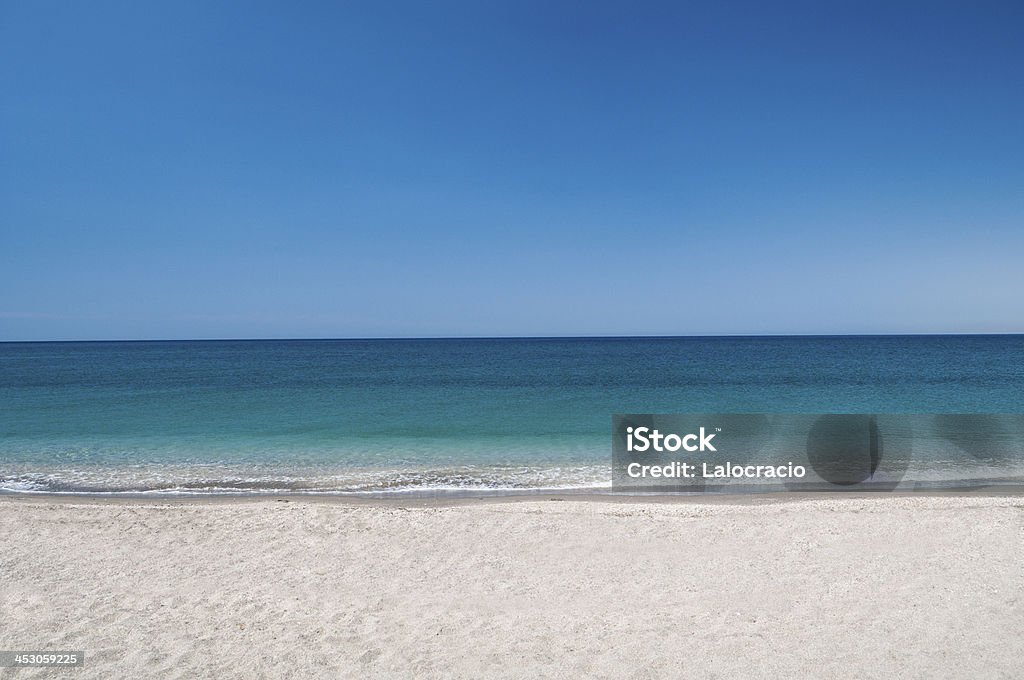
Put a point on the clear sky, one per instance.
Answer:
(346, 169)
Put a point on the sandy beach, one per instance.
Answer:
(825, 587)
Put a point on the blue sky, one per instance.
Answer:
(206, 169)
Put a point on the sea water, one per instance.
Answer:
(382, 416)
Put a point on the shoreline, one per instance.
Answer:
(416, 499)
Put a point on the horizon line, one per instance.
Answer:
(696, 336)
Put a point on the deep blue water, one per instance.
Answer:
(370, 415)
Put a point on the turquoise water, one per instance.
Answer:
(396, 415)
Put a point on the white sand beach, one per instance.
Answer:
(827, 587)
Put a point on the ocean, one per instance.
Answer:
(446, 415)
